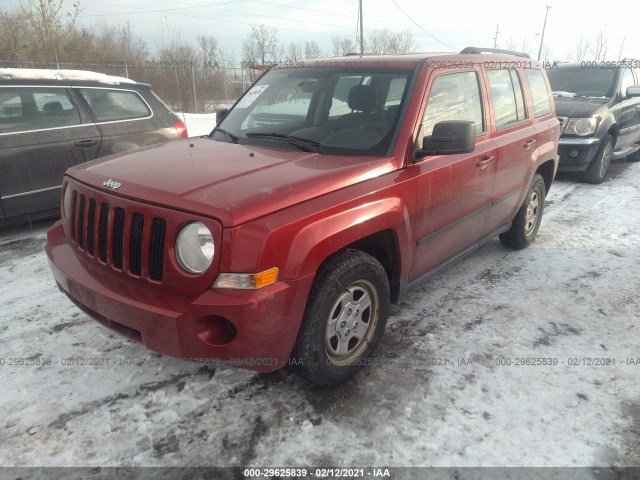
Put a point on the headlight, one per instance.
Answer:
(582, 126)
(66, 202)
(194, 248)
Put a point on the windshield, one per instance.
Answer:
(332, 111)
(583, 82)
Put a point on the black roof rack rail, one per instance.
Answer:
(493, 50)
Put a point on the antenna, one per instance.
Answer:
(361, 32)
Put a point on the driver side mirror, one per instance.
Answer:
(448, 137)
(633, 91)
(220, 114)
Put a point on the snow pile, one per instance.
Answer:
(458, 379)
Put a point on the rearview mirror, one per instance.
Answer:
(447, 138)
(220, 114)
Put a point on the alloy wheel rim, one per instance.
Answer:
(352, 322)
(606, 159)
(531, 216)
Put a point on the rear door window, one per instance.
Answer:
(24, 109)
(539, 92)
(508, 99)
(110, 105)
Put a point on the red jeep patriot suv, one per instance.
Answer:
(324, 194)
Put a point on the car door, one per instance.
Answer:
(42, 134)
(124, 118)
(516, 138)
(454, 191)
(626, 112)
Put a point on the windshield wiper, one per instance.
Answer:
(303, 144)
(231, 136)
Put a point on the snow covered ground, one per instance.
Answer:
(447, 387)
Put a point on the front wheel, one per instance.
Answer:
(598, 168)
(527, 221)
(344, 319)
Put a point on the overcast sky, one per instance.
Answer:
(452, 24)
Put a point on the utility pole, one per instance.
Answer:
(361, 32)
(495, 39)
(544, 26)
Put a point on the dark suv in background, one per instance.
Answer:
(51, 120)
(598, 104)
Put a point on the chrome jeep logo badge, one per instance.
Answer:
(112, 184)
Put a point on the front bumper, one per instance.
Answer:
(265, 322)
(586, 149)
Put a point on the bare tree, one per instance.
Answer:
(403, 42)
(379, 41)
(48, 29)
(295, 52)
(342, 46)
(600, 48)
(515, 46)
(312, 50)
(208, 50)
(13, 37)
(621, 47)
(261, 45)
(581, 51)
(385, 41)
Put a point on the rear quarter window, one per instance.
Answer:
(111, 105)
(539, 92)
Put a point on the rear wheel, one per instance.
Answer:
(600, 163)
(524, 227)
(344, 319)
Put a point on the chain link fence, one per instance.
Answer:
(186, 86)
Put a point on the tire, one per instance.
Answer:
(524, 227)
(330, 349)
(598, 167)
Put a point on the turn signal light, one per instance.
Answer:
(252, 281)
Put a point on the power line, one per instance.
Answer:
(146, 10)
(333, 14)
(142, 10)
(416, 24)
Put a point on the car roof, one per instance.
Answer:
(410, 60)
(39, 76)
(594, 64)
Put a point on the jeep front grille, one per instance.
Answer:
(125, 230)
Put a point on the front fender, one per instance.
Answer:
(316, 241)
(607, 122)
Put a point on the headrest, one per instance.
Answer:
(52, 107)
(362, 98)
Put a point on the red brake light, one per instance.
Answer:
(181, 128)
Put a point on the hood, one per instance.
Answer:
(579, 107)
(231, 182)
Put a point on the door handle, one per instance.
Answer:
(529, 144)
(85, 143)
(485, 161)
